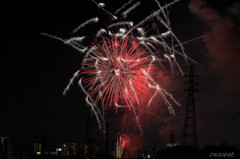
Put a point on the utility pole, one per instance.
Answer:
(190, 129)
(171, 139)
(154, 150)
(171, 142)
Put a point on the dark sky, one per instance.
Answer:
(36, 69)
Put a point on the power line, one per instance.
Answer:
(220, 78)
(221, 93)
(218, 114)
(214, 114)
(217, 85)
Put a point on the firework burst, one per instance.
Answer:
(114, 72)
(118, 65)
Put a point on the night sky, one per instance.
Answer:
(36, 69)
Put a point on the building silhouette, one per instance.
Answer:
(5, 148)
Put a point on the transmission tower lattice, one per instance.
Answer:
(190, 127)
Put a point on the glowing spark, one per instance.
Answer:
(120, 24)
(122, 30)
(166, 34)
(125, 13)
(95, 20)
(77, 42)
(124, 6)
(100, 6)
(163, 12)
(141, 31)
(76, 74)
(188, 41)
(53, 37)
(74, 45)
(152, 15)
(100, 32)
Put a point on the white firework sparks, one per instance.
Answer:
(152, 43)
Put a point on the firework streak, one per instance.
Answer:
(117, 65)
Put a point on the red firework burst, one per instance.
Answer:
(113, 72)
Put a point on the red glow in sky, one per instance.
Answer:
(114, 74)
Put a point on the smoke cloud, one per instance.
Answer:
(223, 42)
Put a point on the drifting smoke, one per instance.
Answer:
(223, 41)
